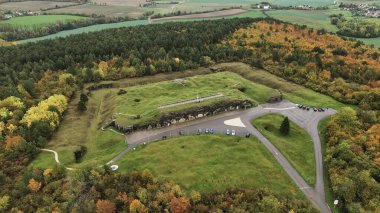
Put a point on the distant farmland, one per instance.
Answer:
(43, 20)
(33, 5)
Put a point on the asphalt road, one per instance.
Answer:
(306, 119)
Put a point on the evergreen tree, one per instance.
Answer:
(285, 126)
(81, 106)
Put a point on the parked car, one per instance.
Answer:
(181, 132)
(300, 106)
(303, 107)
(211, 131)
(233, 133)
(199, 131)
(315, 109)
(319, 110)
(247, 135)
(228, 132)
(322, 109)
(207, 131)
(307, 108)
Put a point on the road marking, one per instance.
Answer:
(234, 122)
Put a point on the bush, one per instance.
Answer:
(80, 153)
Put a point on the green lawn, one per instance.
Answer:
(211, 162)
(297, 147)
(44, 160)
(40, 21)
(145, 100)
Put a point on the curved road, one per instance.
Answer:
(307, 119)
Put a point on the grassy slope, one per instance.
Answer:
(39, 21)
(291, 91)
(297, 147)
(151, 96)
(211, 162)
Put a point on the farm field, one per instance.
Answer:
(317, 19)
(250, 14)
(33, 5)
(217, 163)
(144, 101)
(92, 28)
(297, 147)
(106, 10)
(39, 21)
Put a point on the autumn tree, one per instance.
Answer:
(179, 205)
(34, 185)
(105, 206)
(137, 207)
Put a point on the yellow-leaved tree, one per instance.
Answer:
(12, 103)
(48, 110)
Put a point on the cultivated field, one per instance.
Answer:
(39, 21)
(144, 101)
(297, 147)
(207, 15)
(211, 163)
(33, 5)
(107, 10)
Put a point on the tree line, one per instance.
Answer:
(15, 33)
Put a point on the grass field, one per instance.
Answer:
(316, 19)
(297, 147)
(145, 100)
(39, 21)
(291, 91)
(211, 162)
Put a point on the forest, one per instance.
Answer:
(355, 27)
(37, 80)
(12, 33)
